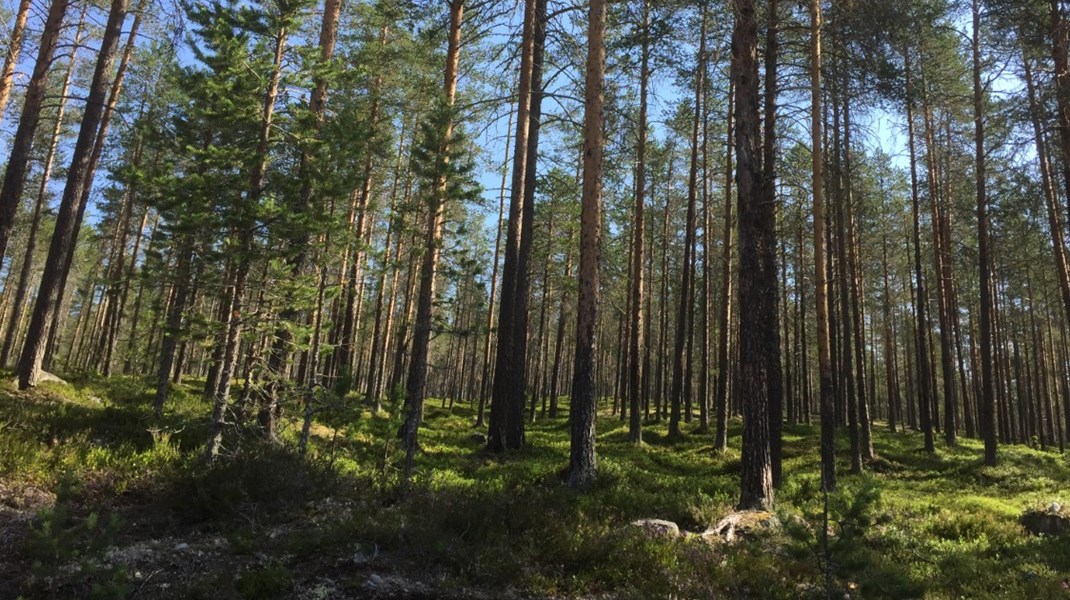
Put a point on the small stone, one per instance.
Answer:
(374, 582)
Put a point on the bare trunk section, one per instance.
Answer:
(720, 441)
(18, 161)
(417, 376)
(769, 250)
(758, 327)
(680, 367)
(506, 429)
(988, 428)
(14, 48)
(635, 340)
(18, 305)
(854, 275)
(582, 464)
(75, 197)
(824, 354)
(924, 384)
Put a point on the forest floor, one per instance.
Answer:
(99, 499)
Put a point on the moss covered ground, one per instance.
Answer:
(100, 499)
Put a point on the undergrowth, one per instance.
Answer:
(916, 525)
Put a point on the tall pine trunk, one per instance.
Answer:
(18, 160)
(14, 48)
(724, 320)
(40, 204)
(924, 382)
(988, 427)
(757, 274)
(680, 366)
(73, 203)
(769, 247)
(506, 429)
(416, 380)
(582, 463)
(635, 339)
(824, 353)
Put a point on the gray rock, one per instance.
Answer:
(374, 582)
(657, 528)
(46, 376)
(43, 377)
(181, 547)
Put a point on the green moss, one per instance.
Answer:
(917, 525)
(270, 581)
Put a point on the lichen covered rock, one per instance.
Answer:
(657, 528)
(740, 525)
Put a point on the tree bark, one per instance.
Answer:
(583, 466)
(18, 304)
(14, 48)
(769, 250)
(757, 275)
(506, 428)
(417, 376)
(635, 341)
(19, 159)
(485, 381)
(680, 369)
(73, 202)
(988, 428)
(922, 333)
(720, 440)
(824, 355)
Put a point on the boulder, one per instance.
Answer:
(46, 376)
(740, 525)
(657, 528)
(43, 377)
(1054, 519)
